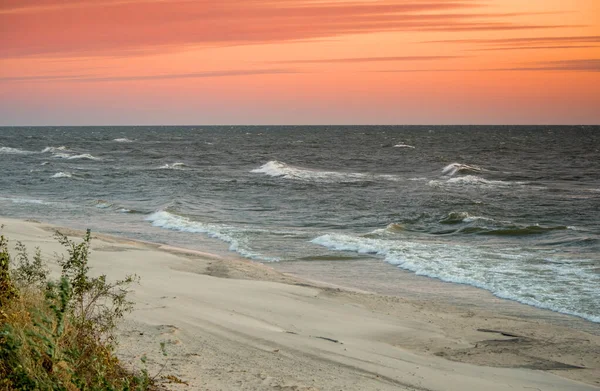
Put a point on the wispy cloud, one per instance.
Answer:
(528, 43)
(367, 59)
(93, 27)
(193, 75)
(583, 65)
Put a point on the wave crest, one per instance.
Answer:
(237, 238)
(459, 168)
(174, 166)
(54, 149)
(279, 169)
(62, 175)
(505, 273)
(14, 151)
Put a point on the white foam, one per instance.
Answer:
(401, 145)
(62, 175)
(236, 238)
(174, 166)
(61, 155)
(472, 181)
(14, 151)
(454, 168)
(54, 149)
(122, 140)
(278, 169)
(102, 204)
(514, 274)
(25, 201)
(85, 156)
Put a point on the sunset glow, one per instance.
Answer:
(100, 62)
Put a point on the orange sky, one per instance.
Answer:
(100, 62)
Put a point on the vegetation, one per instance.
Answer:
(59, 334)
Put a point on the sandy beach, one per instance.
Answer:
(231, 324)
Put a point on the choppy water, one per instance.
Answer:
(514, 210)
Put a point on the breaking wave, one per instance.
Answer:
(516, 275)
(62, 175)
(54, 149)
(14, 151)
(237, 238)
(473, 181)
(174, 166)
(278, 169)
(401, 145)
(459, 168)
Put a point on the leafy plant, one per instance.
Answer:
(61, 336)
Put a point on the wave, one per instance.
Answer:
(462, 217)
(278, 169)
(473, 181)
(514, 230)
(237, 238)
(174, 166)
(14, 151)
(511, 274)
(59, 153)
(480, 225)
(54, 149)
(62, 175)
(459, 168)
(85, 156)
(122, 140)
(25, 201)
(401, 145)
(102, 204)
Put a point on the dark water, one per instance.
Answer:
(514, 210)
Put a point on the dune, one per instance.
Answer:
(231, 324)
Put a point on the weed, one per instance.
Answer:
(61, 336)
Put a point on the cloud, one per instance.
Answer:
(367, 59)
(582, 65)
(528, 43)
(109, 28)
(193, 75)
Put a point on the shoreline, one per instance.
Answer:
(236, 324)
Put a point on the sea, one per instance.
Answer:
(514, 210)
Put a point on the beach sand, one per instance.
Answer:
(232, 324)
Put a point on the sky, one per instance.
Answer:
(243, 62)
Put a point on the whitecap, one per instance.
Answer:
(85, 156)
(401, 145)
(25, 201)
(279, 169)
(174, 166)
(14, 151)
(54, 149)
(122, 140)
(236, 237)
(62, 175)
(102, 204)
(472, 181)
(61, 155)
(458, 168)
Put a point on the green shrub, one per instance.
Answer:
(61, 336)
